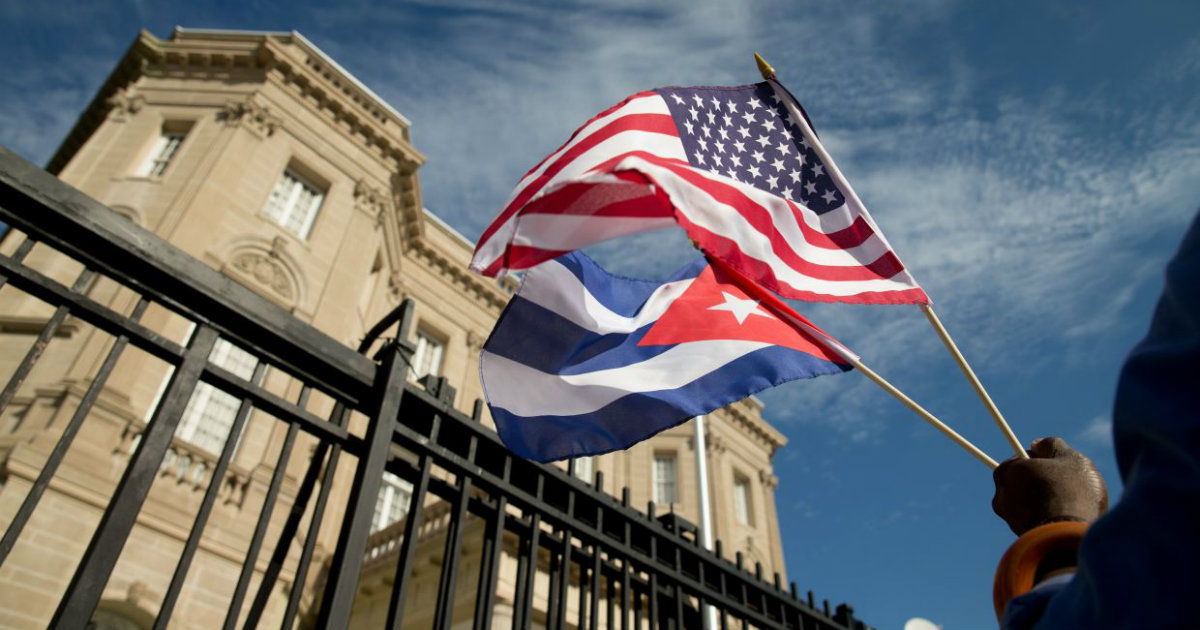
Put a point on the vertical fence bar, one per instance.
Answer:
(582, 610)
(594, 610)
(39, 345)
(561, 587)
(443, 614)
(314, 526)
(653, 571)
(291, 525)
(678, 566)
(260, 530)
(610, 605)
(489, 570)
(29, 504)
(348, 557)
(206, 504)
(87, 584)
(523, 619)
(408, 548)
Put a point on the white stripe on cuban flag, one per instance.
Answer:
(565, 376)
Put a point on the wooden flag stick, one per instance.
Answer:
(769, 73)
(974, 380)
(925, 415)
(785, 312)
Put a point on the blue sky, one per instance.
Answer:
(1034, 164)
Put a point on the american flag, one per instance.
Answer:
(739, 168)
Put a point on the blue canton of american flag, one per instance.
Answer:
(746, 133)
(736, 168)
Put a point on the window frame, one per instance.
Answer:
(206, 395)
(658, 483)
(393, 491)
(743, 500)
(299, 183)
(153, 165)
(418, 358)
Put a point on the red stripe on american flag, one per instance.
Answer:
(565, 201)
(591, 120)
(886, 266)
(760, 217)
(853, 236)
(654, 123)
(720, 247)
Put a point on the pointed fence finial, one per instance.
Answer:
(765, 68)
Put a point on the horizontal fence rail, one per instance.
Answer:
(503, 541)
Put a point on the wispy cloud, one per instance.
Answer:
(1097, 434)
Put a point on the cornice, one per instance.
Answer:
(287, 60)
(480, 289)
(314, 83)
(746, 414)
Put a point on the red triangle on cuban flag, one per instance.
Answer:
(719, 304)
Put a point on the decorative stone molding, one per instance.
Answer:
(406, 192)
(266, 271)
(395, 286)
(458, 276)
(252, 115)
(713, 443)
(189, 466)
(370, 199)
(475, 341)
(269, 267)
(751, 423)
(123, 103)
(769, 480)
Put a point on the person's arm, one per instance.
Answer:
(1048, 500)
(1137, 564)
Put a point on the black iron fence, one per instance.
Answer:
(572, 555)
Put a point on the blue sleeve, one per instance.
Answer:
(1138, 563)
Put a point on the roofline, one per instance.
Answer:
(316, 49)
(446, 226)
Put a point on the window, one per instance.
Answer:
(163, 151)
(664, 478)
(294, 203)
(428, 357)
(741, 500)
(209, 415)
(584, 467)
(392, 503)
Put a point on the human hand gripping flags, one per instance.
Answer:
(738, 168)
(582, 362)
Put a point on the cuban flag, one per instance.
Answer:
(582, 362)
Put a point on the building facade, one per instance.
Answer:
(257, 154)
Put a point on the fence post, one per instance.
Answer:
(352, 542)
(83, 594)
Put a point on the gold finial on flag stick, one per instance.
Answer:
(765, 68)
(925, 415)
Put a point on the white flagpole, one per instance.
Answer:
(706, 537)
(768, 73)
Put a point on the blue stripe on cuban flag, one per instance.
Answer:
(565, 376)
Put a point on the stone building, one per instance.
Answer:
(257, 154)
